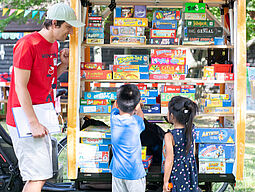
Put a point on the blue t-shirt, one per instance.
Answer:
(126, 146)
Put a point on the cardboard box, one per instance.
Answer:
(165, 60)
(93, 156)
(126, 31)
(127, 12)
(208, 73)
(92, 66)
(198, 41)
(92, 30)
(130, 75)
(204, 32)
(94, 170)
(168, 96)
(215, 135)
(195, 16)
(95, 35)
(215, 167)
(195, 7)
(166, 15)
(95, 25)
(215, 110)
(215, 97)
(168, 76)
(144, 151)
(140, 11)
(216, 151)
(100, 95)
(163, 33)
(170, 89)
(166, 69)
(131, 22)
(169, 53)
(199, 23)
(96, 74)
(95, 108)
(131, 59)
(192, 90)
(94, 41)
(95, 102)
(225, 76)
(151, 108)
(148, 100)
(218, 103)
(140, 40)
(164, 24)
(130, 68)
(149, 93)
(91, 164)
(101, 141)
(163, 41)
(96, 133)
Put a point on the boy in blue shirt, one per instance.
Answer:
(128, 174)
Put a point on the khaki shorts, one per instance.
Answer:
(34, 156)
(124, 185)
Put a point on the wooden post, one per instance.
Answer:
(240, 85)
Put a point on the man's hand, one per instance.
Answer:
(38, 130)
(64, 57)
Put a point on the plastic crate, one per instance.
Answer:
(222, 68)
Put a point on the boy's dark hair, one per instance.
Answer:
(48, 22)
(184, 110)
(128, 96)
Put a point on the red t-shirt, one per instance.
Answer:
(36, 54)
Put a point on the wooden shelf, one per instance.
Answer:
(161, 115)
(158, 3)
(188, 80)
(133, 46)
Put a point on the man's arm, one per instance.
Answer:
(21, 80)
(64, 57)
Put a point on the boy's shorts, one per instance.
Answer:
(124, 185)
(34, 156)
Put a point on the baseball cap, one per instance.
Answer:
(63, 12)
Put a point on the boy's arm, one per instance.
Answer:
(169, 160)
(138, 111)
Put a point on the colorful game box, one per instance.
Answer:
(166, 97)
(215, 110)
(92, 66)
(166, 69)
(164, 24)
(95, 102)
(130, 68)
(97, 132)
(163, 33)
(148, 100)
(131, 22)
(166, 15)
(218, 103)
(151, 108)
(168, 60)
(149, 93)
(170, 89)
(130, 75)
(198, 41)
(208, 73)
(216, 151)
(94, 170)
(172, 53)
(95, 108)
(215, 167)
(101, 141)
(167, 76)
(94, 30)
(140, 11)
(215, 135)
(195, 8)
(163, 41)
(94, 35)
(147, 162)
(96, 74)
(199, 23)
(140, 40)
(127, 12)
(214, 97)
(100, 95)
(204, 32)
(126, 31)
(94, 41)
(195, 16)
(131, 59)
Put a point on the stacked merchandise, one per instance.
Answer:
(148, 98)
(169, 91)
(95, 70)
(131, 67)
(164, 28)
(198, 30)
(168, 64)
(129, 25)
(95, 30)
(218, 72)
(216, 103)
(94, 150)
(216, 150)
(97, 102)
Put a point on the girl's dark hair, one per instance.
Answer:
(48, 22)
(184, 110)
(128, 96)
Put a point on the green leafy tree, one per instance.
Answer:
(250, 19)
(23, 4)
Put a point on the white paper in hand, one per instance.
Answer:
(46, 115)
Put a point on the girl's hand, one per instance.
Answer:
(165, 187)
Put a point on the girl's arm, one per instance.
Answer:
(169, 142)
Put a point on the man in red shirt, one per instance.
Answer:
(34, 81)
